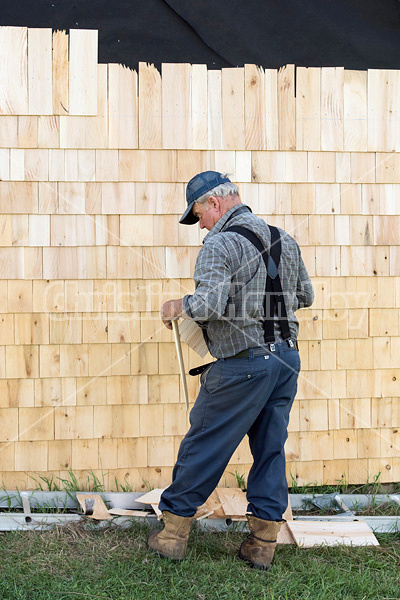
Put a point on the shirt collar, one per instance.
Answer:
(219, 225)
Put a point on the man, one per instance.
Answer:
(250, 388)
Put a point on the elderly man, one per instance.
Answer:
(249, 281)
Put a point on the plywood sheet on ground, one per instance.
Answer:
(328, 533)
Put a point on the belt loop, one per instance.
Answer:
(251, 354)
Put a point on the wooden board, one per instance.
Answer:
(287, 108)
(179, 353)
(123, 512)
(192, 335)
(233, 501)
(234, 504)
(60, 73)
(355, 111)
(152, 497)
(122, 107)
(287, 515)
(214, 110)
(149, 107)
(156, 510)
(4, 165)
(285, 536)
(233, 124)
(48, 132)
(83, 72)
(96, 128)
(199, 107)
(271, 109)
(100, 510)
(378, 85)
(393, 112)
(40, 76)
(383, 110)
(332, 98)
(254, 96)
(214, 506)
(203, 511)
(308, 534)
(13, 71)
(308, 110)
(176, 106)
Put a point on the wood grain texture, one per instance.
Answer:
(308, 111)
(83, 73)
(40, 72)
(355, 111)
(271, 107)
(93, 506)
(150, 129)
(199, 94)
(96, 128)
(214, 110)
(332, 99)
(318, 533)
(14, 71)
(383, 121)
(122, 107)
(60, 73)
(176, 106)
(233, 501)
(287, 108)
(255, 110)
(233, 121)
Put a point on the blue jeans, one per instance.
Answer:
(242, 396)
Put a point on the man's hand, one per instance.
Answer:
(171, 310)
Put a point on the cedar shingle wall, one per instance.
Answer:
(93, 164)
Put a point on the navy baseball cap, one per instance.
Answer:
(197, 186)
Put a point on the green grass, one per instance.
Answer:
(69, 484)
(373, 487)
(72, 563)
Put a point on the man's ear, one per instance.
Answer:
(214, 202)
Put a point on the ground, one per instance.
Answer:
(72, 563)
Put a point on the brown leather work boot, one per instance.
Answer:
(172, 540)
(260, 547)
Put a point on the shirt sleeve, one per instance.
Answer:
(212, 279)
(304, 291)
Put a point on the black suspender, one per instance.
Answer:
(273, 297)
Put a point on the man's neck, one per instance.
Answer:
(225, 218)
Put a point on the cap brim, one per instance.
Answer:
(188, 217)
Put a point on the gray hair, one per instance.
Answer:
(222, 190)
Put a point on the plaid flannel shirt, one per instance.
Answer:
(230, 278)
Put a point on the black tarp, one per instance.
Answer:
(356, 34)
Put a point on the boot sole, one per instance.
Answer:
(254, 565)
(161, 553)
